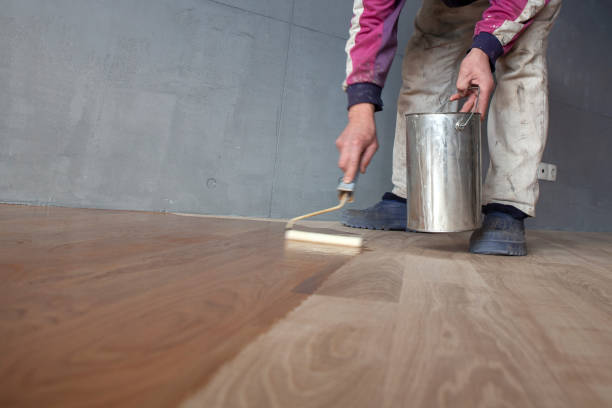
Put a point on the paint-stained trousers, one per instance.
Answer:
(518, 114)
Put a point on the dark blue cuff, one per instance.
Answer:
(458, 3)
(365, 92)
(491, 46)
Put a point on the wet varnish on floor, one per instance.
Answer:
(114, 308)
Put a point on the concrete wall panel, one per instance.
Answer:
(232, 107)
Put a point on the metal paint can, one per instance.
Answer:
(443, 153)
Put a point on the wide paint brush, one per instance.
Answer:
(345, 194)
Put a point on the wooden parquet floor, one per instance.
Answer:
(134, 309)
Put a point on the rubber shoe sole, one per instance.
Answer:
(504, 248)
(374, 227)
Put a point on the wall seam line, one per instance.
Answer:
(220, 3)
(279, 117)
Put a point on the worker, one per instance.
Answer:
(456, 44)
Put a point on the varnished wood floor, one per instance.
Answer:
(111, 308)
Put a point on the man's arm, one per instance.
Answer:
(501, 25)
(370, 50)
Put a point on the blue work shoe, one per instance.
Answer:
(500, 234)
(387, 214)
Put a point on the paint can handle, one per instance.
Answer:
(459, 125)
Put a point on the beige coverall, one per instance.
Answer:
(518, 114)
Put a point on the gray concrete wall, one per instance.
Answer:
(233, 106)
(580, 131)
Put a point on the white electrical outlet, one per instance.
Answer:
(547, 171)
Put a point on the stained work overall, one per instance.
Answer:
(518, 114)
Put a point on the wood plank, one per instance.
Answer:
(321, 355)
(465, 331)
(104, 308)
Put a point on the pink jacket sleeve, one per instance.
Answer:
(370, 49)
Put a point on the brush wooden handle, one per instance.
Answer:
(343, 199)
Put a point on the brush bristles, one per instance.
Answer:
(326, 239)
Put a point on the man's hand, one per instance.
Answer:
(475, 70)
(357, 143)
